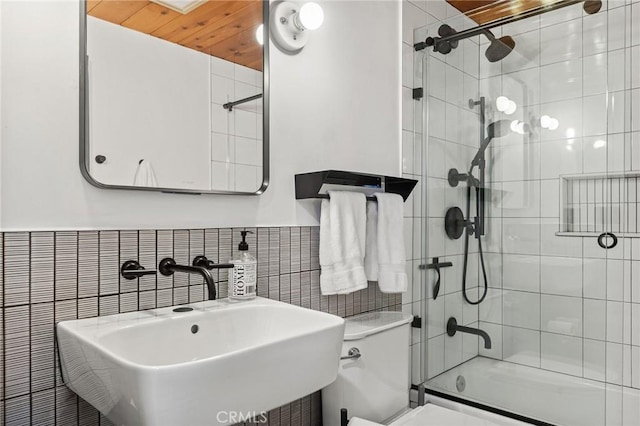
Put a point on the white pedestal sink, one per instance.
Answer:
(217, 364)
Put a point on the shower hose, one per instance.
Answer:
(466, 251)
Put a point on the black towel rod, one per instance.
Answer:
(316, 184)
(368, 197)
(230, 105)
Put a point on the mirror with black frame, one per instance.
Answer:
(174, 95)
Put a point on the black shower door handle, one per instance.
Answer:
(436, 265)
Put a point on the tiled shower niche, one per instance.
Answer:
(55, 276)
(592, 204)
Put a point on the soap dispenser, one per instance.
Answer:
(242, 278)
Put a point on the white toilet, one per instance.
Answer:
(374, 386)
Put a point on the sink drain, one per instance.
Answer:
(195, 328)
(461, 383)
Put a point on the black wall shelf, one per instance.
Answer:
(316, 184)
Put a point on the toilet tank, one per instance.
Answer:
(375, 386)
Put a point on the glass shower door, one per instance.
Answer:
(559, 171)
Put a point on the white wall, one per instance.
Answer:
(148, 99)
(334, 105)
(1, 127)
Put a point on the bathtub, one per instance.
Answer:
(539, 394)
(442, 412)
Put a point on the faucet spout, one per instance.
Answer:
(453, 327)
(206, 263)
(168, 266)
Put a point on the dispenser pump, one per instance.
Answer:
(243, 246)
(242, 278)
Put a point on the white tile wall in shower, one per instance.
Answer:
(561, 353)
(587, 296)
(521, 309)
(521, 346)
(236, 139)
(451, 137)
(580, 332)
(594, 115)
(413, 16)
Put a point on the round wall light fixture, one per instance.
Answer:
(291, 23)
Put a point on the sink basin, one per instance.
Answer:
(218, 364)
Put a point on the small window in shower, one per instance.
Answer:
(592, 204)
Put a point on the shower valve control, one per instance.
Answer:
(455, 223)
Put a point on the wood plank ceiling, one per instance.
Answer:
(222, 28)
(484, 11)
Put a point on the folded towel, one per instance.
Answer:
(371, 244)
(342, 243)
(357, 421)
(392, 275)
(145, 176)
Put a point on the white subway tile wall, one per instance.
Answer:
(449, 141)
(556, 302)
(236, 135)
(55, 276)
(584, 291)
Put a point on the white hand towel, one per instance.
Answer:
(357, 421)
(342, 243)
(326, 249)
(145, 176)
(392, 275)
(371, 244)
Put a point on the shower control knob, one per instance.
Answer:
(454, 223)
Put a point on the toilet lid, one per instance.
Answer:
(361, 326)
(434, 415)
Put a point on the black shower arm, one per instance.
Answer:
(482, 29)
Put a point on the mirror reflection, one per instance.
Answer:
(174, 94)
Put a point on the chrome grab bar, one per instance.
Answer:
(354, 353)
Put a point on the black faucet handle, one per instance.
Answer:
(131, 269)
(165, 266)
(203, 262)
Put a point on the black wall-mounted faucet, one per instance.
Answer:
(209, 264)
(168, 266)
(453, 327)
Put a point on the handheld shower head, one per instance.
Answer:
(495, 129)
(498, 129)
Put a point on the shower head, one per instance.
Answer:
(592, 6)
(499, 47)
(495, 129)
